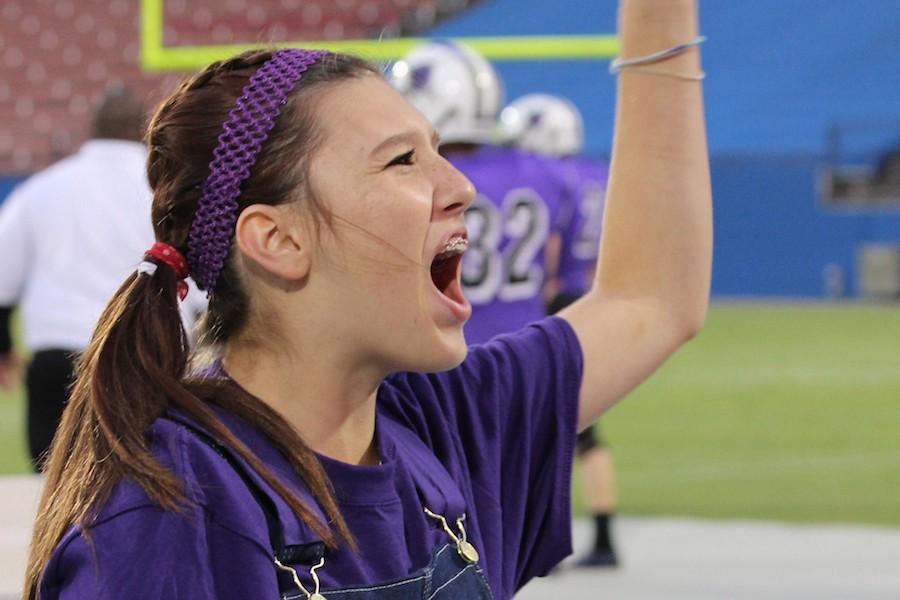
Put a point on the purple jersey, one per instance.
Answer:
(493, 438)
(581, 234)
(521, 199)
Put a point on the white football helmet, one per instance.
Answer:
(543, 124)
(456, 89)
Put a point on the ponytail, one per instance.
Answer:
(132, 371)
(136, 356)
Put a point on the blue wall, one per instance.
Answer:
(774, 238)
(6, 186)
(780, 72)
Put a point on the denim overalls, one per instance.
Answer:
(452, 574)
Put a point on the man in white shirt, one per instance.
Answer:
(69, 236)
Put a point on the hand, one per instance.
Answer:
(10, 365)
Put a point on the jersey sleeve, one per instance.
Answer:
(14, 249)
(164, 559)
(506, 419)
(148, 553)
(137, 550)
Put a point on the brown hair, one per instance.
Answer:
(136, 364)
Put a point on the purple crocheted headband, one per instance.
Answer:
(243, 134)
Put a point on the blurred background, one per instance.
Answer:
(786, 408)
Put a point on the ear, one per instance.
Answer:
(273, 237)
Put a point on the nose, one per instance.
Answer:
(453, 192)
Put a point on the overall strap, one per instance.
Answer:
(309, 553)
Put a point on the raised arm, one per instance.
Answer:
(652, 286)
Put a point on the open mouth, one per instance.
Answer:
(445, 268)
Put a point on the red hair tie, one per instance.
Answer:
(168, 255)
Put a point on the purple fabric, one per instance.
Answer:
(499, 430)
(503, 269)
(581, 237)
(243, 134)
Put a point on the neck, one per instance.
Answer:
(328, 398)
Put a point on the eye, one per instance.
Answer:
(403, 159)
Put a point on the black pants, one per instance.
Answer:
(589, 439)
(47, 381)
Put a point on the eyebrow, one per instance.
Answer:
(407, 137)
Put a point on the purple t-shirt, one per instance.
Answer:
(521, 199)
(501, 426)
(581, 234)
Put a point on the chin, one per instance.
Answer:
(446, 352)
(459, 353)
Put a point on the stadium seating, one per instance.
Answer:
(58, 55)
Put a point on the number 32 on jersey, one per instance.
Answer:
(504, 260)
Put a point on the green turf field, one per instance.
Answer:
(778, 412)
(775, 411)
(13, 454)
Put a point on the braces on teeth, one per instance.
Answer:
(457, 244)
